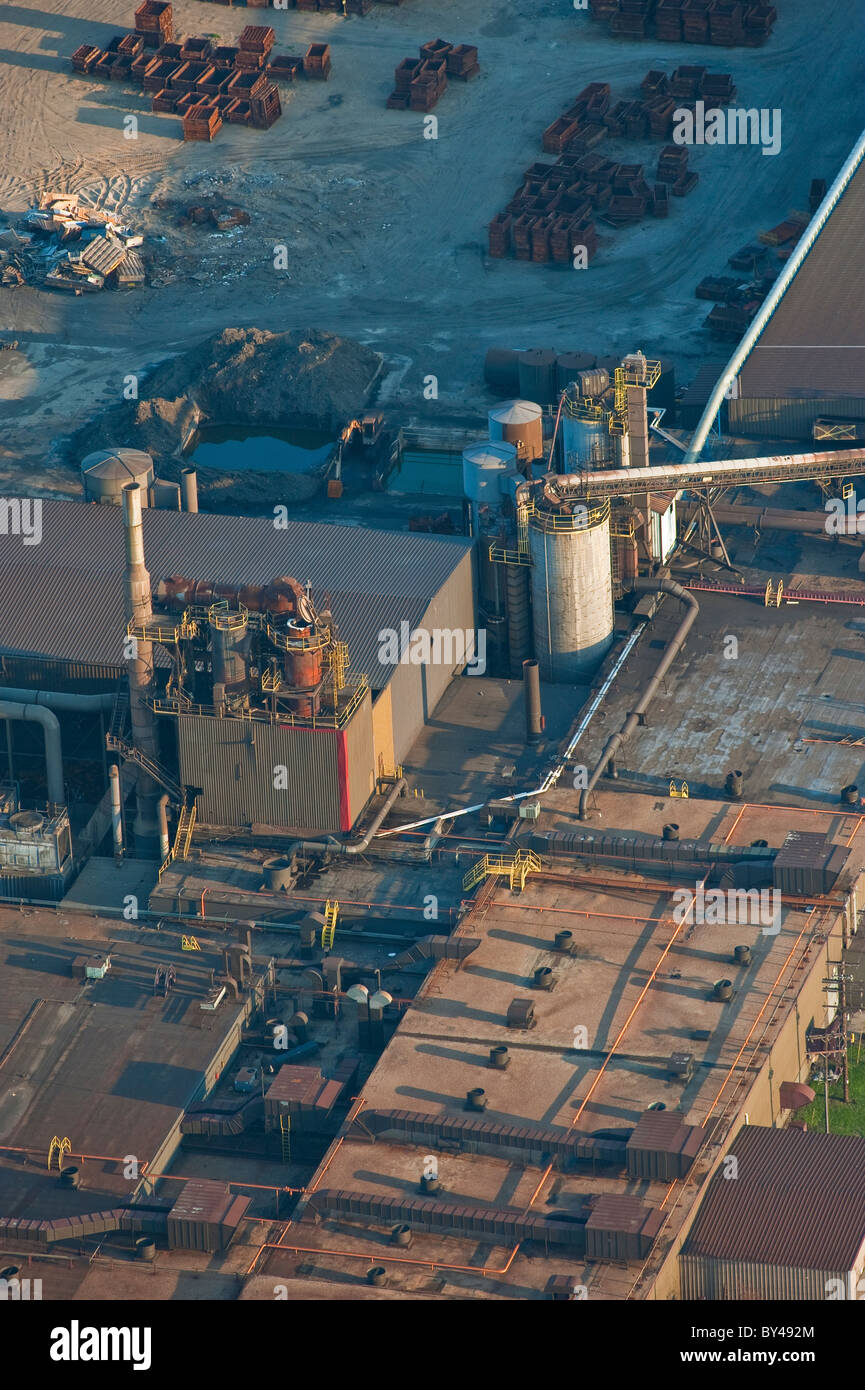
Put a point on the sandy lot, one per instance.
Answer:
(386, 231)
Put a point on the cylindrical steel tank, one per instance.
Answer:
(538, 375)
(570, 364)
(572, 591)
(585, 443)
(484, 465)
(520, 423)
(302, 663)
(502, 371)
(106, 473)
(230, 643)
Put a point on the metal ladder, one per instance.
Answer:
(328, 931)
(285, 1135)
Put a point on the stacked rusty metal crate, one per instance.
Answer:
(673, 170)
(727, 23)
(632, 18)
(201, 121)
(254, 45)
(192, 78)
(317, 62)
(154, 22)
(420, 82)
(668, 20)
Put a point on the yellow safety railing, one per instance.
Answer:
(516, 867)
(60, 1147)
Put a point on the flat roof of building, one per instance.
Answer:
(637, 989)
(69, 597)
(107, 1063)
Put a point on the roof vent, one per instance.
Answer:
(521, 1013)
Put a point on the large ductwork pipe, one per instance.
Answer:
(611, 747)
(358, 846)
(770, 304)
(139, 609)
(162, 813)
(613, 482)
(782, 519)
(17, 711)
(59, 699)
(532, 693)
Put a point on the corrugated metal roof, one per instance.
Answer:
(202, 1199)
(798, 1200)
(68, 590)
(813, 345)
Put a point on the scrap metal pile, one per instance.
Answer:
(67, 245)
(735, 301)
(203, 83)
(728, 23)
(421, 81)
(554, 210)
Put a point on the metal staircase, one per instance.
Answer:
(516, 867)
(130, 754)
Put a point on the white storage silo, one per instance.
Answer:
(484, 466)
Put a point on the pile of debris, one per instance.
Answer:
(65, 244)
(421, 81)
(224, 219)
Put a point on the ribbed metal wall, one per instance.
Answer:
(233, 761)
(788, 418)
(729, 1281)
(416, 690)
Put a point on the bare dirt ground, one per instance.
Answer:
(386, 231)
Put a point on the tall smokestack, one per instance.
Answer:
(189, 489)
(139, 609)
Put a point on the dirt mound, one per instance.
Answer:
(245, 376)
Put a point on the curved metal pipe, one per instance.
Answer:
(19, 711)
(338, 847)
(59, 699)
(770, 304)
(645, 586)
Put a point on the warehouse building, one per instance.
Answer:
(809, 362)
(788, 1221)
(67, 628)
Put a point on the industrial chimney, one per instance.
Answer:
(140, 673)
